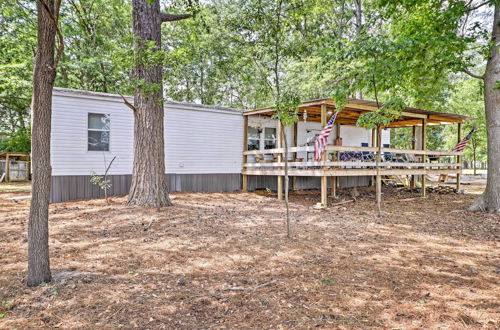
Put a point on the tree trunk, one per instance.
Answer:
(490, 199)
(41, 107)
(287, 205)
(149, 184)
(379, 177)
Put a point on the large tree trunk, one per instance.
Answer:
(43, 83)
(149, 184)
(490, 199)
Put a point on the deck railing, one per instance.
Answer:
(354, 161)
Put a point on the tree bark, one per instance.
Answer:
(490, 199)
(379, 177)
(149, 184)
(43, 82)
(287, 180)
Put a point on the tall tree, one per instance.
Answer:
(149, 185)
(43, 83)
(490, 199)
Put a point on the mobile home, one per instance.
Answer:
(215, 149)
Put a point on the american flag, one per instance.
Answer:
(320, 143)
(462, 144)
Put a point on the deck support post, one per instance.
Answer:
(336, 179)
(424, 147)
(279, 136)
(324, 182)
(7, 168)
(244, 179)
(459, 158)
(295, 144)
(414, 147)
(333, 186)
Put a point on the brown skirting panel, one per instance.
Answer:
(256, 182)
(75, 187)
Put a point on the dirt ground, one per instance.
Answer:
(222, 261)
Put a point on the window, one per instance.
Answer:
(269, 138)
(253, 138)
(98, 132)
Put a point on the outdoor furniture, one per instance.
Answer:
(367, 156)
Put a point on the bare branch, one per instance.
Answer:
(127, 103)
(166, 17)
(472, 74)
(479, 5)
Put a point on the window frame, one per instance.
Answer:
(264, 139)
(98, 130)
(253, 139)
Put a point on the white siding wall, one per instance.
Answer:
(197, 140)
(203, 141)
(69, 155)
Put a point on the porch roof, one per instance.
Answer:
(354, 108)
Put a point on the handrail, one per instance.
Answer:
(354, 148)
(351, 163)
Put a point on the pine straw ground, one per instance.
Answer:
(221, 261)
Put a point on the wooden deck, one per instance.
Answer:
(350, 161)
(403, 164)
(365, 165)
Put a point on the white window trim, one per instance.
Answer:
(98, 130)
(263, 138)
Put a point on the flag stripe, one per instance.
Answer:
(462, 144)
(320, 143)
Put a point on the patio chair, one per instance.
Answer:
(366, 156)
(387, 156)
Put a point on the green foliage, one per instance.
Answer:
(17, 44)
(254, 53)
(383, 116)
(287, 108)
(19, 141)
(100, 181)
(467, 99)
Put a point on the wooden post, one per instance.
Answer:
(336, 180)
(245, 148)
(333, 186)
(459, 158)
(295, 144)
(424, 147)
(324, 182)
(279, 136)
(7, 168)
(413, 146)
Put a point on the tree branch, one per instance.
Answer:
(479, 5)
(166, 17)
(127, 103)
(472, 74)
